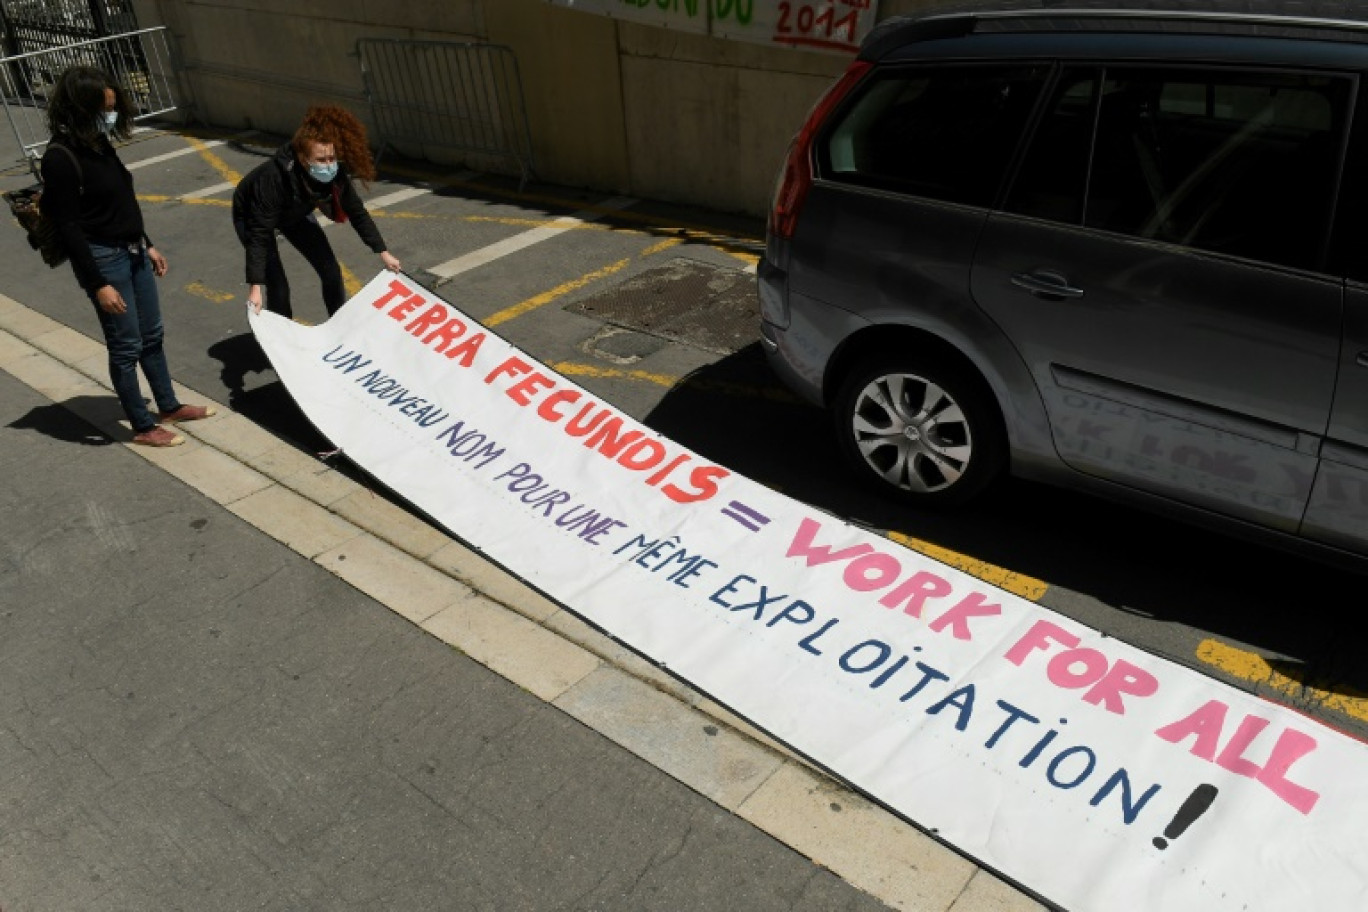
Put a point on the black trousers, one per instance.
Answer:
(308, 238)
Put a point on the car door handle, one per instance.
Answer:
(1046, 284)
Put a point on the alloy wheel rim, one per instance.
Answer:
(912, 433)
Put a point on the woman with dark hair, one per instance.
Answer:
(310, 173)
(88, 194)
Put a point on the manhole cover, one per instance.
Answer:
(685, 301)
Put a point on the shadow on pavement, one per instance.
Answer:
(270, 405)
(736, 413)
(60, 420)
(239, 356)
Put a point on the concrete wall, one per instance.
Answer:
(709, 120)
(572, 87)
(613, 106)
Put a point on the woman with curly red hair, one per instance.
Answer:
(311, 173)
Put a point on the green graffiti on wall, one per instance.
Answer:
(740, 10)
(687, 7)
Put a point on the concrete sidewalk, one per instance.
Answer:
(209, 706)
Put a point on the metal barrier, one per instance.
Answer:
(464, 97)
(36, 25)
(139, 61)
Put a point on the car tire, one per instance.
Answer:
(921, 429)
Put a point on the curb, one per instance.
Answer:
(453, 593)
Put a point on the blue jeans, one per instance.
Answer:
(308, 238)
(134, 338)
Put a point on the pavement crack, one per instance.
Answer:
(436, 802)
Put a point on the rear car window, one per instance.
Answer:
(940, 132)
(1233, 162)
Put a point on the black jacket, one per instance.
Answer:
(96, 205)
(280, 193)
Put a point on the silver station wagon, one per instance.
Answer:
(1121, 251)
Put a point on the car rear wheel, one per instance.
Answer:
(921, 429)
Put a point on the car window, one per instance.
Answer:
(1053, 177)
(1233, 162)
(1350, 248)
(941, 132)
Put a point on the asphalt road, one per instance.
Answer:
(1264, 620)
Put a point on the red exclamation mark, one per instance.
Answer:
(1195, 806)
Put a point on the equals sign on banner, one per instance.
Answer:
(747, 517)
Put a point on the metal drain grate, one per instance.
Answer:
(687, 301)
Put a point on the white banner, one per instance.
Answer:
(1099, 776)
(823, 25)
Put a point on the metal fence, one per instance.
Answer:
(140, 61)
(36, 25)
(463, 97)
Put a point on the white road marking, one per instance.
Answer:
(477, 258)
(398, 196)
(208, 191)
(188, 150)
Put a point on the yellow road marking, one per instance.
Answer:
(571, 369)
(546, 297)
(660, 246)
(349, 281)
(197, 201)
(1256, 669)
(1015, 583)
(517, 222)
(214, 161)
(204, 291)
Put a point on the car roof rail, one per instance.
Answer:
(903, 30)
(900, 30)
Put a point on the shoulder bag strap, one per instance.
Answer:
(80, 175)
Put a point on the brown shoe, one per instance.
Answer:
(187, 413)
(158, 437)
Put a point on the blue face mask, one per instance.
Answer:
(108, 120)
(323, 173)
